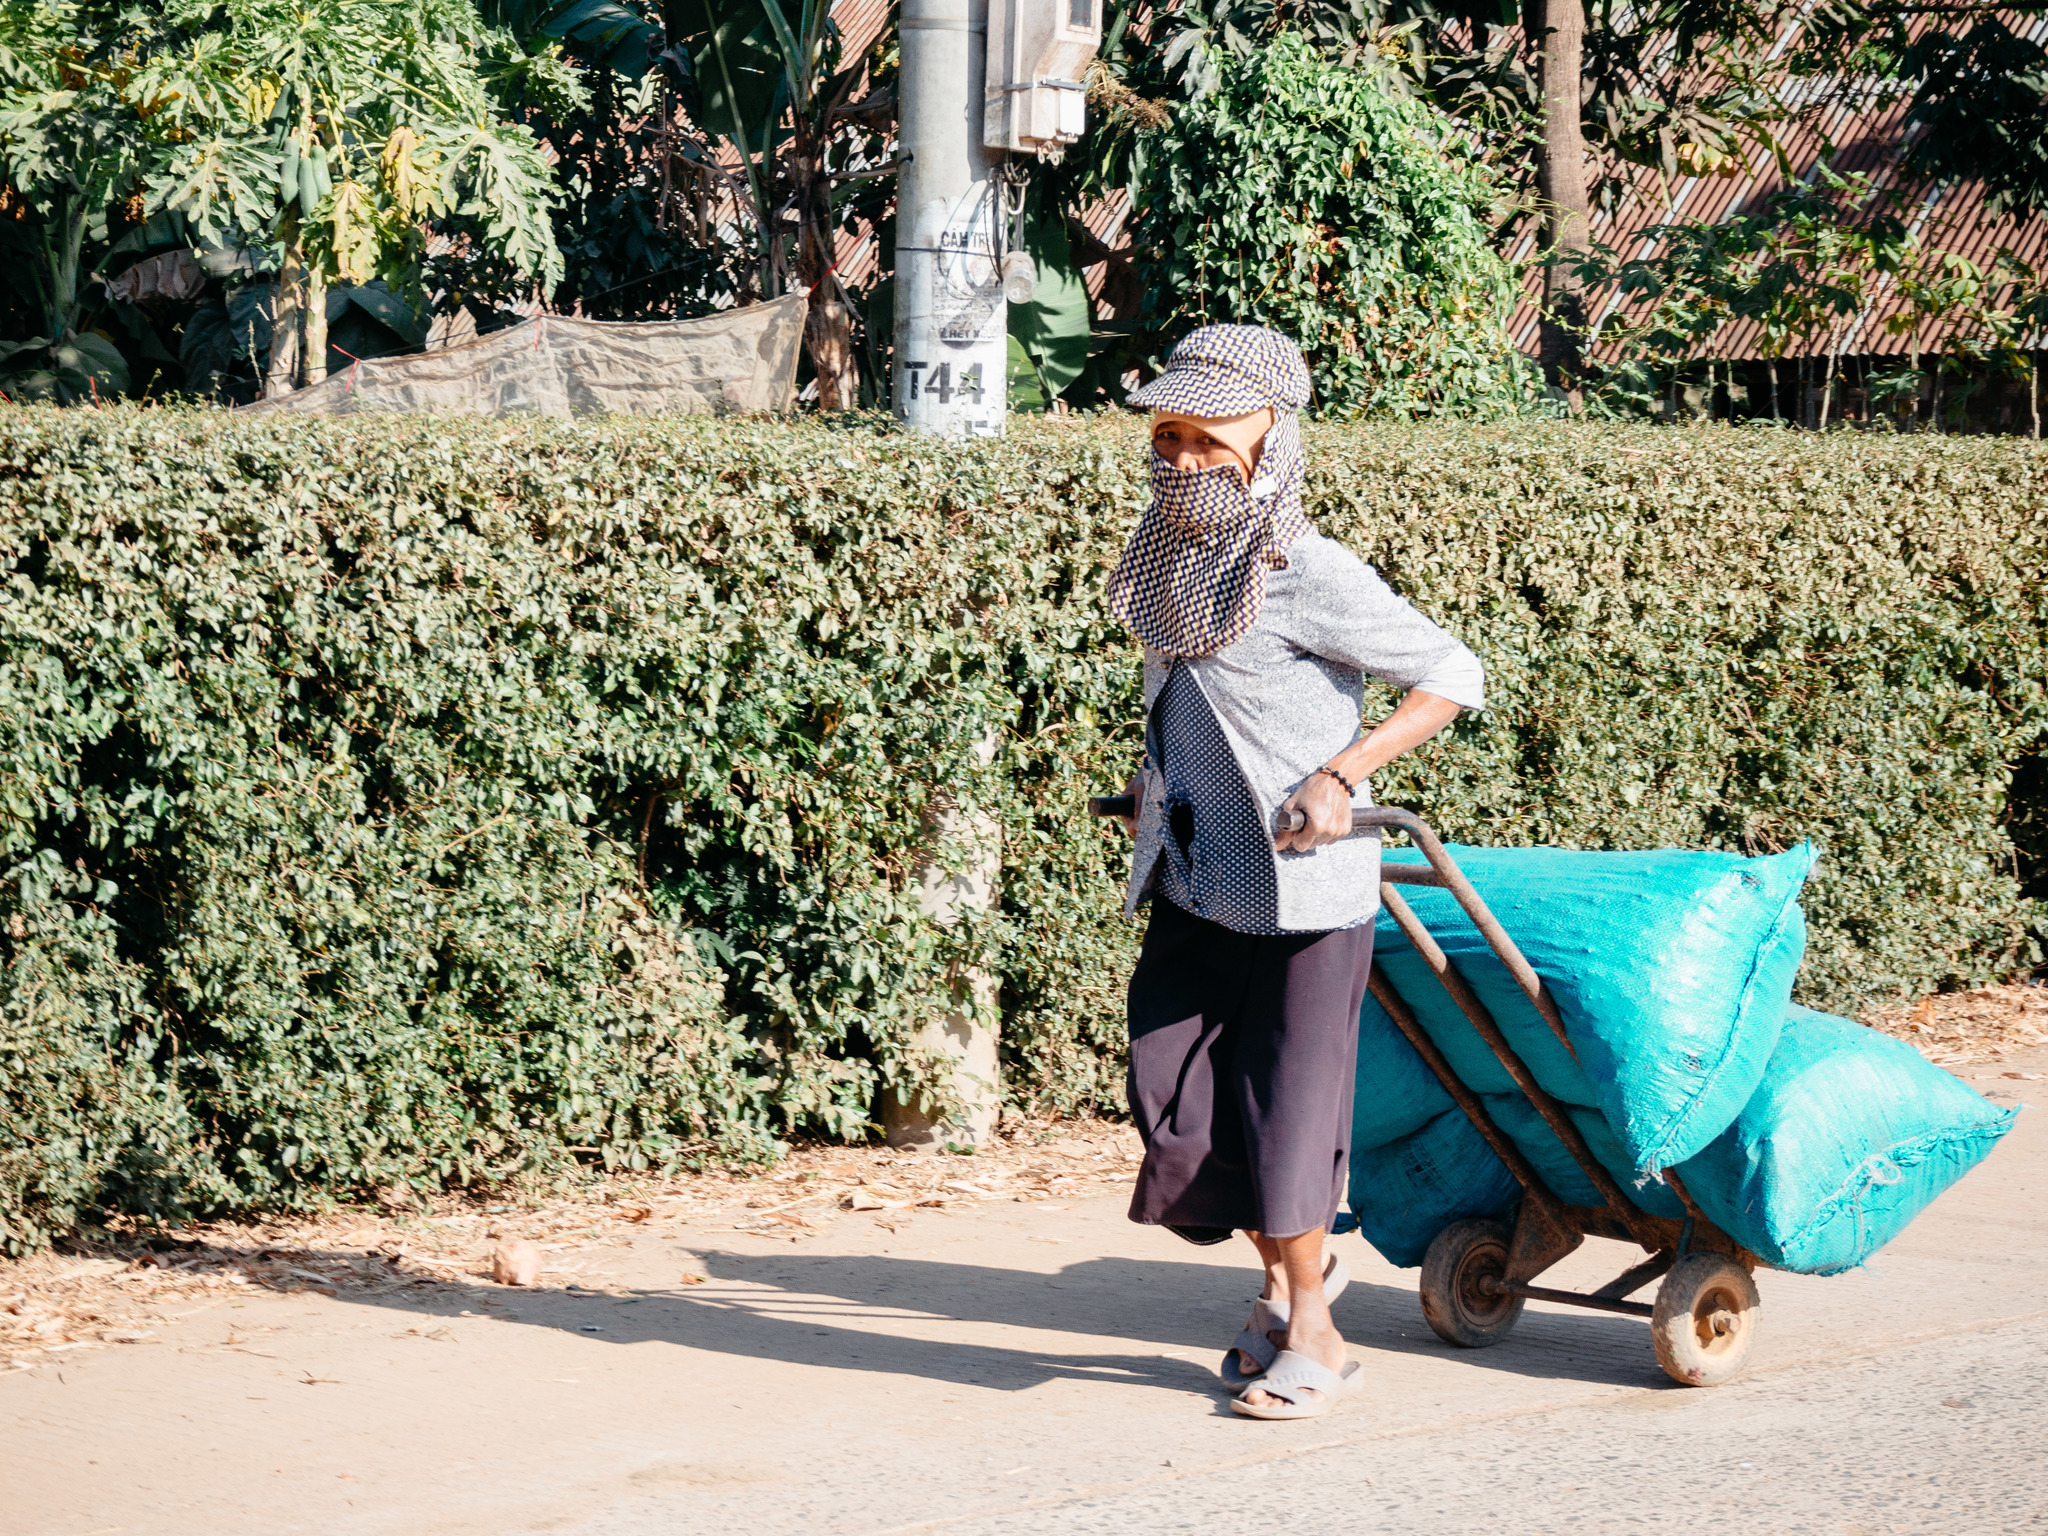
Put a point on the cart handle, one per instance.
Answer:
(1442, 872)
(1451, 878)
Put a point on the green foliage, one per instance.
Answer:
(363, 120)
(1049, 335)
(1317, 199)
(1969, 81)
(400, 802)
(1802, 268)
(344, 130)
(1660, 81)
(605, 31)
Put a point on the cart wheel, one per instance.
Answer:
(1705, 1320)
(1454, 1302)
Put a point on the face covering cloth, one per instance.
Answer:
(1193, 578)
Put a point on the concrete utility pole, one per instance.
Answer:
(958, 120)
(949, 378)
(952, 325)
(956, 1037)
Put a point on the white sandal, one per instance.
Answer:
(1291, 1378)
(1271, 1316)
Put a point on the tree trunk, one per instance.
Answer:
(828, 334)
(316, 326)
(1827, 391)
(1771, 363)
(1558, 28)
(284, 322)
(828, 325)
(2034, 391)
(71, 223)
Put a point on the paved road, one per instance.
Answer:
(1029, 1368)
(1949, 1436)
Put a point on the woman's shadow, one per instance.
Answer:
(902, 1316)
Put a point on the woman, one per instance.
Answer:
(1244, 1004)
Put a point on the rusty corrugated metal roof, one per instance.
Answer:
(860, 22)
(1868, 139)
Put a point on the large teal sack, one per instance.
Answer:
(1672, 970)
(1518, 1118)
(1850, 1137)
(1417, 1163)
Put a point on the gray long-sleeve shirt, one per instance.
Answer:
(1282, 701)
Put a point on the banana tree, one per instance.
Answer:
(772, 84)
(71, 148)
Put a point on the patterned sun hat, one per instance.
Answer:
(1228, 370)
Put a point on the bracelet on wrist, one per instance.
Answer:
(1349, 787)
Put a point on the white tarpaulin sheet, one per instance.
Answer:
(741, 360)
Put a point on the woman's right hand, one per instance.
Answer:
(1136, 790)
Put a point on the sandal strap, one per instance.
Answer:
(1300, 1374)
(1266, 1315)
(1257, 1345)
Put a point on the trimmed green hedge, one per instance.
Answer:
(399, 803)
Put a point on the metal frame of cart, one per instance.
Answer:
(1479, 1272)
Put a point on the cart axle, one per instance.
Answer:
(1493, 1285)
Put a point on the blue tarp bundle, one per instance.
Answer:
(1810, 1140)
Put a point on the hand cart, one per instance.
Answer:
(1479, 1272)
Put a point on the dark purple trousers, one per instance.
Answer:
(1243, 1054)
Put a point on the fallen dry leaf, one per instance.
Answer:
(515, 1263)
(1982, 1024)
(690, 1279)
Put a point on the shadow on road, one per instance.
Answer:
(904, 1316)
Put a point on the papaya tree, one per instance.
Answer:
(321, 139)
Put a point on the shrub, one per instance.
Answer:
(406, 803)
(1313, 196)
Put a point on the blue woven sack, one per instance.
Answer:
(1850, 1137)
(1671, 969)
(1417, 1164)
(1533, 1137)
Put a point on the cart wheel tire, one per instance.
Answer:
(1705, 1320)
(1454, 1301)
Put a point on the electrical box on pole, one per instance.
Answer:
(1035, 99)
